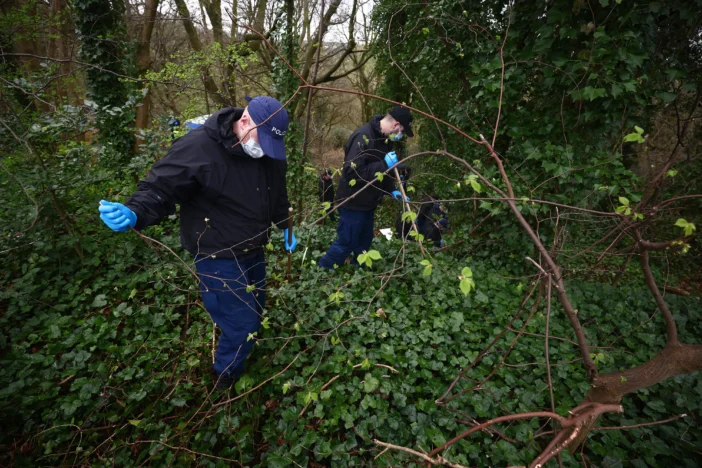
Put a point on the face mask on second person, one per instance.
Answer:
(397, 135)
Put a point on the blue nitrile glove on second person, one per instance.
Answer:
(289, 247)
(397, 195)
(391, 159)
(116, 216)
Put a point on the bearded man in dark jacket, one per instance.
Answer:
(228, 176)
(368, 152)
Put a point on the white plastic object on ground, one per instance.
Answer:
(387, 232)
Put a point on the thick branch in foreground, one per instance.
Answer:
(674, 359)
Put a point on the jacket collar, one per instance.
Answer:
(375, 125)
(220, 127)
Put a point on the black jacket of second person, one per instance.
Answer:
(227, 199)
(364, 156)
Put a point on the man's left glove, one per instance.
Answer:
(397, 195)
(116, 216)
(289, 247)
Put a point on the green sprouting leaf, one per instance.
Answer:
(624, 201)
(352, 182)
(671, 173)
(634, 137)
(365, 365)
(623, 379)
(310, 397)
(370, 383)
(266, 323)
(365, 138)
(687, 227)
(379, 176)
(326, 205)
(250, 288)
(365, 259)
(466, 282)
(409, 189)
(681, 222)
(269, 246)
(336, 296)
(425, 31)
(132, 294)
(476, 186)
(193, 361)
(286, 387)
(466, 285)
(427, 267)
(416, 236)
(135, 422)
(251, 336)
(335, 341)
(638, 129)
(409, 216)
(374, 254)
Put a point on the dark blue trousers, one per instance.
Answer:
(354, 235)
(236, 312)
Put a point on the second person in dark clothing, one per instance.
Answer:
(368, 151)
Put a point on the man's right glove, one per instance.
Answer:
(391, 159)
(116, 216)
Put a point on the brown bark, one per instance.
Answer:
(144, 63)
(214, 12)
(196, 45)
(59, 47)
(674, 359)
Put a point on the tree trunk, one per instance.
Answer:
(196, 45)
(143, 61)
(59, 48)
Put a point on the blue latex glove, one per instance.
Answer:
(117, 216)
(391, 159)
(397, 195)
(289, 247)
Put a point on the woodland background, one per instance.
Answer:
(560, 325)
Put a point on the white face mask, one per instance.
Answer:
(253, 148)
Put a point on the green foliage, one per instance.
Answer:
(121, 352)
(100, 26)
(368, 257)
(687, 227)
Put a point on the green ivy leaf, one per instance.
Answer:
(99, 301)
(370, 383)
(379, 176)
(352, 182)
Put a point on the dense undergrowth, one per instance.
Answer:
(106, 361)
